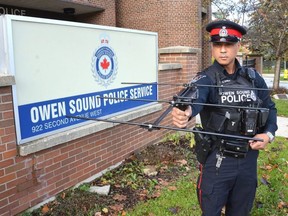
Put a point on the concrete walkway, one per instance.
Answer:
(282, 123)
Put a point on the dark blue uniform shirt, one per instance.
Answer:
(210, 94)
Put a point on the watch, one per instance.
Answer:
(271, 136)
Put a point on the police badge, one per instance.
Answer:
(104, 63)
(223, 32)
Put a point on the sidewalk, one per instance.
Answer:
(269, 81)
(282, 123)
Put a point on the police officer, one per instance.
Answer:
(228, 178)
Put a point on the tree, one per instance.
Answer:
(267, 22)
(268, 32)
(235, 10)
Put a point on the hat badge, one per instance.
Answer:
(223, 32)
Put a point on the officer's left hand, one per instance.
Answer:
(258, 145)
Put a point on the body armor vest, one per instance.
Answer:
(232, 120)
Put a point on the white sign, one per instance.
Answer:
(61, 68)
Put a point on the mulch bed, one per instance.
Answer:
(129, 184)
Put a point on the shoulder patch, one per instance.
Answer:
(198, 77)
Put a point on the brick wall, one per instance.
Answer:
(106, 17)
(27, 181)
(206, 48)
(189, 62)
(178, 22)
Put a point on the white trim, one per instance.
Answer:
(75, 24)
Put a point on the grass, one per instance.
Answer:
(272, 193)
(270, 71)
(282, 107)
(271, 198)
(181, 202)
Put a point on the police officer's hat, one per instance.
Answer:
(225, 31)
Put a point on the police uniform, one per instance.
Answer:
(229, 175)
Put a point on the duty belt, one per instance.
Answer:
(233, 148)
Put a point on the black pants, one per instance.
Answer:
(233, 185)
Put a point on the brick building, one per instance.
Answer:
(35, 172)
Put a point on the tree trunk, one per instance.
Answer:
(277, 73)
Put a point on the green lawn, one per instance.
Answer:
(270, 71)
(272, 193)
(282, 107)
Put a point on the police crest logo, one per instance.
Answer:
(223, 32)
(104, 62)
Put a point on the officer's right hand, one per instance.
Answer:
(180, 118)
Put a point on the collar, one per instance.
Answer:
(220, 68)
